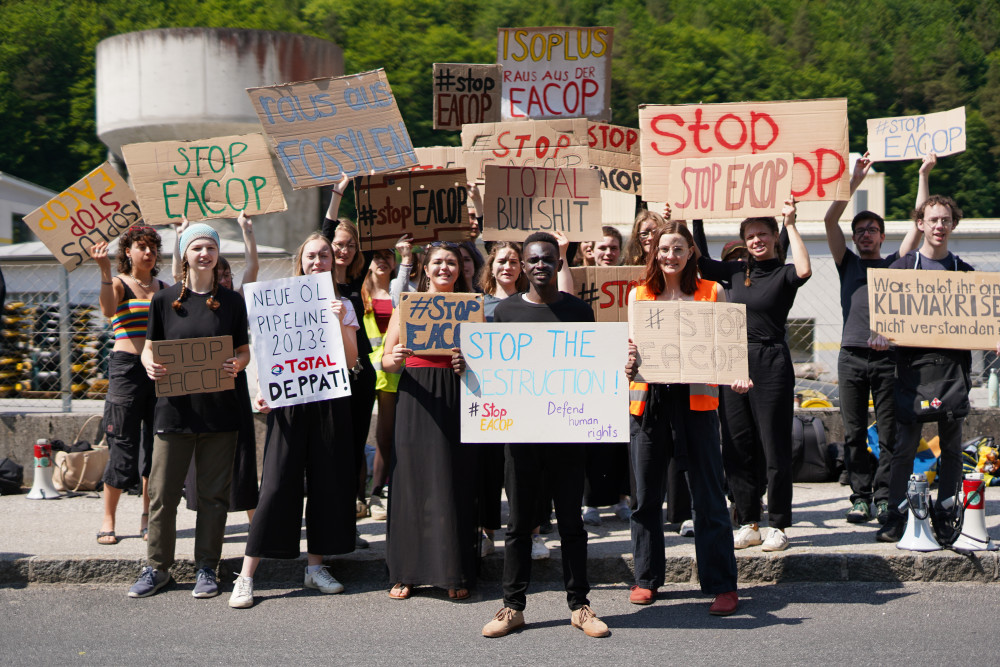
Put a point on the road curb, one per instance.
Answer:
(783, 567)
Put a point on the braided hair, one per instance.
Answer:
(211, 301)
(772, 224)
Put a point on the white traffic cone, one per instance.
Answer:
(974, 536)
(41, 486)
(918, 535)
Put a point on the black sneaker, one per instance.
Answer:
(882, 511)
(860, 513)
(892, 531)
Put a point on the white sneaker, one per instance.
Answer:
(486, 546)
(376, 507)
(747, 536)
(242, 597)
(622, 510)
(687, 529)
(776, 541)
(591, 516)
(324, 581)
(539, 550)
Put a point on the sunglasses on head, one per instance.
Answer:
(141, 228)
(443, 244)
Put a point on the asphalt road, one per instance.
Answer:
(855, 623)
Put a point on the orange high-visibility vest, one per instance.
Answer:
(704, 397)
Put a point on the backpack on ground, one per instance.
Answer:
(810, 454)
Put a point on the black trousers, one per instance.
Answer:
(528, 467)
(862, 371)
(760, 427)
(949, 466)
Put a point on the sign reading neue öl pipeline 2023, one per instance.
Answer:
(325, 128)
(545, 382)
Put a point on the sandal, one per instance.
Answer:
(401, 592)
(107, 537)
(144, 532)
(458, 594)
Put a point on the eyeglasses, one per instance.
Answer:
(861, 231)
(646, 235)
(345, 246)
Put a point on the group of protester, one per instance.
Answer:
(688, 442)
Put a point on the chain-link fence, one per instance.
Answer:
(53, 357)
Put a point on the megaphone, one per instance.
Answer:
(918, 535)
(974, 536)
(41, 486)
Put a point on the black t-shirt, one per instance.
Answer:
(567, 309)
(215, 412)
(854, 295)
(768, 298)
(352, 292)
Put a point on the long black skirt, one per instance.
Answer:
(432, 532)
(309, 443)
(243, 491)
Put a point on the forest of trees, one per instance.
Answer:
(888, 57)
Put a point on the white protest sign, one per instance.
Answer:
(296, 340)
(914, 137)
(545, 382)
(555, 72)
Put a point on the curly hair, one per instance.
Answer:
(148, 237)
(939, 200)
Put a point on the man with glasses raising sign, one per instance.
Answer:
(861, 369)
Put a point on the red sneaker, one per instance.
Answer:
(725, 604)
(641, 595)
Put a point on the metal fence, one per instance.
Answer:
(55, 341)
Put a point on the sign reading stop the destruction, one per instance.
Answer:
(194, 365)
(539, 143)
(98, 207)
(814, 131)
(614, 151)
(606, 289)
(430, 322)
(915, 137)
(465, 94)
(730, 187)
(200, 180)
(326, 128)
(428, 205)
(946, 309)
(545, 382)
(522, 200)
(556, 72)
(690, 341)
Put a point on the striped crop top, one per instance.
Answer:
(132, 315)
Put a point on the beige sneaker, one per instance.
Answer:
(376, 508)
(585, 619)
(506, 621)
(776, 541)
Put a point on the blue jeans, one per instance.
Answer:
(654, 437)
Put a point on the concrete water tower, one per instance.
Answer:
(190, 83)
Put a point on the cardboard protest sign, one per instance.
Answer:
(296, 340)
(465, 94)
(537, 143)
(545, 382)
(325, 128)
(814, 131)
(98, 207)
(606, 289)
(556, 72)
(946, 309)
(428, 205)
(200, 180)
(914, 137)
(430, 323)
(439, 157)
(730, 187)
(690, 341)
(522, 200)
(194, 365)
(614, 151)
